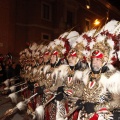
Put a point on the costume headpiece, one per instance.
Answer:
(80, 45)
(104, 42)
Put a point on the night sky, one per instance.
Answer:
(115, 3)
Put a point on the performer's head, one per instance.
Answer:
(33, 62)
(97, 60)
(72, 58)
(40, 60)
(46, 56)
(54, 57)
(100, 55)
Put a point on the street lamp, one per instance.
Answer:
(96, 22)
(87, 4)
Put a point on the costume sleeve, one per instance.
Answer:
(109, 105)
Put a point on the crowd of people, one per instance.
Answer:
(8, 67)
(74, 77)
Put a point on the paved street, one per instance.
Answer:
(8, 105)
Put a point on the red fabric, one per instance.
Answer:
(75, 115)
(102, 109)
(47, 113)
(95, 117)
(31, 105)
(73, 54)
(91, 83)
(66, 106)
(47, 116)
(97, 54)
(55, 53)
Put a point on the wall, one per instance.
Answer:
(21, 21)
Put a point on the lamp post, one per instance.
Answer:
(96, 22)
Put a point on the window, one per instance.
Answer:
(45, 36)
(87, 24)
(46, 11)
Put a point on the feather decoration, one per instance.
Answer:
(62, 43)
(63, 71)
(110, 26)
(39, 112)
(111, 43)
(57, 41)
(46, 69)
(12, 88)
(118, 53)
(21, 105)
(77, 75)
(63, 51)
(112, 82)
(73, 34)
(6, 82)
(79, 39)
(91, 32)
(33, 46)
(100, 38)
(13, 97)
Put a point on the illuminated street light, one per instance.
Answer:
(87, 6)
(96, 22)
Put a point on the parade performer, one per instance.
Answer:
(101, 94)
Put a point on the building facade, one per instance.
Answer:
(44, 20)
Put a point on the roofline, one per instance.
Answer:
(109, 6)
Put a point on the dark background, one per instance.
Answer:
(115, 3)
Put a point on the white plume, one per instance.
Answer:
(84, 42)
(77, 75)
(21, 105)
(6, 82)
(62, 43)
(100, 38)
(57, 41)
(55, 73)
(34, 71)
(13, 97)
(111, 43)
(73, 44)
(118, 55)
(46, 69)
(117, 29)
(6, 88)
(13, 88)
(40, 112)
(72, 34)
(79, 39)
(60, 119)
(91, 44)
(63, 70)
(63, 51)
(72, 37)
(43, 49)
(33, 46)
(91, 32)
(111, 83)
(110, 26)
